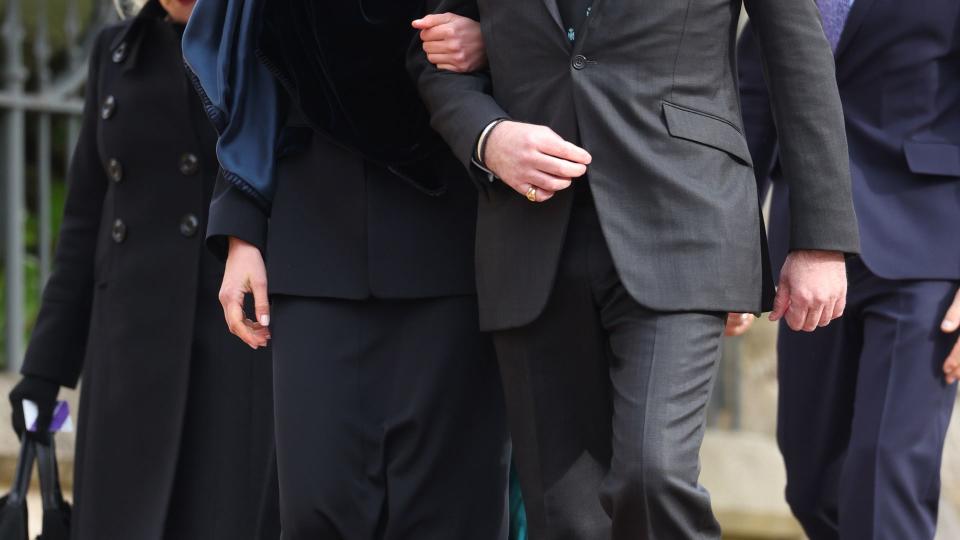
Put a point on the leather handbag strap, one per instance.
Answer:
(21, 480)
(51, 494)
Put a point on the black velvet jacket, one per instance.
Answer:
(330, 58)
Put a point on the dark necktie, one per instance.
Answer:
(573, 13)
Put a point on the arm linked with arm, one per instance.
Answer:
(461, 105)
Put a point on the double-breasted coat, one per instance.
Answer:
(175, 432)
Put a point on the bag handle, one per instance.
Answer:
(50, 491)
(21, 481)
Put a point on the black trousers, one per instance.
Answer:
(222, 489)
(864, 410)
(389, 419)
(606, 402)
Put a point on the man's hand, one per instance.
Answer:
(246, 274)
(528, 157)
(738, 324)
(950, 325)
(812, 291)
(452, 42)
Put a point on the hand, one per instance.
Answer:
(452, 42)
(812, 291)
(738, 324)
(526, 156)
(950, 324)
(40, 391)
(246, 274)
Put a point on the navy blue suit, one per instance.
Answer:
(863, 405)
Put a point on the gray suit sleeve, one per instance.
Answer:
(460, 105)
(758, 123)
(800, 73)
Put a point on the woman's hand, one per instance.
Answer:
(738, 324)
(452, 42)
(245, 273)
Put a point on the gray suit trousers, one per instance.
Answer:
(607, 403)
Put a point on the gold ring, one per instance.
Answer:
(532, 194)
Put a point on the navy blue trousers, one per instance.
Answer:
(864, 410)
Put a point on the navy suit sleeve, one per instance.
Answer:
(761, 131)
(58, 343)
(233, 213)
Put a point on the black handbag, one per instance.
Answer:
(13, 506)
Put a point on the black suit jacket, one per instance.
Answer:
(341, 226)
(650, 89)
(898, 67)
(369, 202)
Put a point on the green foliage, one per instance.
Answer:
(56, 16)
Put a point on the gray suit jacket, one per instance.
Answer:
(650, 90)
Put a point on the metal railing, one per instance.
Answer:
(40, 86)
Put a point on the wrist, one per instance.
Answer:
(35, 388)
(484, 140)
(235, 245)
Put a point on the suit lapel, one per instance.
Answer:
(857, 14)
(554, 10)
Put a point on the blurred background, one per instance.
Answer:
(43, 53)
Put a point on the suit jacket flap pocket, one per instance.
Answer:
(707, 129)
(937, 159)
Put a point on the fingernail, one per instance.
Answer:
(948, 326)
(265, 320)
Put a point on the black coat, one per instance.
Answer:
(175, 412)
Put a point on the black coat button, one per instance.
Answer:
(579, 61)
(119, 231)
(108, 107)
(189, 164)
(120, 53)
(115, 170)
(189, 225)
